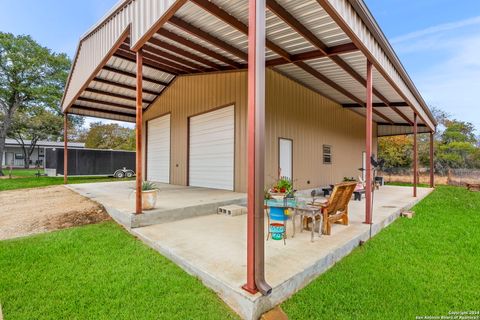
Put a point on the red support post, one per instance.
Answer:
(432, 164)
(415, 154)
(256, 150)
(368, 145)
(65, 148)
(138, 133)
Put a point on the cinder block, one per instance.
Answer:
(232, 210)
(408, 214)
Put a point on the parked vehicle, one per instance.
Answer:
(124, 173)
(91, 162)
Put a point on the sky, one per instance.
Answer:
(438, 41)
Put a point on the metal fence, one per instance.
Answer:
(454, 177)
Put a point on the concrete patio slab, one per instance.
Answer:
(174, 202)
(213, 248)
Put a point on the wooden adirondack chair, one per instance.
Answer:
(335, 210)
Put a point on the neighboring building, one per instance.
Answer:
(13, 153)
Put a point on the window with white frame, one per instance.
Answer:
(327, 154)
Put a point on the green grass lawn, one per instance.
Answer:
(427, 266)
(27, 181)
(22, 172)
(98, 272)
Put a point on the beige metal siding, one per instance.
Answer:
(311, 121)
(292, 111)
(192, 95)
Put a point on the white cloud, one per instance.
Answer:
(448, 74)
(437, 29)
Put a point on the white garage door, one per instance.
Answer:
(158, 149)
(211, 154)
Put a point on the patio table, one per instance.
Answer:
(310, 211)
(301, 208)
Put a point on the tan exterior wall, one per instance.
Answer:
(310, 120)
(292, 111)
(191, 95)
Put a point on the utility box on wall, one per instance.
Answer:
(88, 162)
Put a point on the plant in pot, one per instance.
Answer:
(282, 188)
(149, 195)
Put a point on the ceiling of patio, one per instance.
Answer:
(303, 43)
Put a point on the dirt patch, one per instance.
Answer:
(30, 211)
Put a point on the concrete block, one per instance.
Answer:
(232, 210)
(408, 214)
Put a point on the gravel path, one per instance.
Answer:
(30, 211)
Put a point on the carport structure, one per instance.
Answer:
(333, 47)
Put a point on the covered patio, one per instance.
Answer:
(334, 48)
(174, 202)
(213, 248)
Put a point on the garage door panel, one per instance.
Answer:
(211, 154)
(158, 149)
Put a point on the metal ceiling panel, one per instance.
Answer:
(142, 15)
(201, 42)
(101, 115)
(332, 71)
(385, 131)
(284, 36)
(297, 74)
(138, 16)
(105, 97)
(312, 16)
(117, 90)
(98, 105)
(181, 46)
(358, 62)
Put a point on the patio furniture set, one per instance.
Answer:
(324, 214)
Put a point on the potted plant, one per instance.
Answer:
(149, 195)
(282, 189)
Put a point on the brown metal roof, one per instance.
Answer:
(323, 45)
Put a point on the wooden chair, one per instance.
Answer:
(335, 210)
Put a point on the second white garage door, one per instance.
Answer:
(158, 149)
(211, 154)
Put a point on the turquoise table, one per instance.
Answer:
(277, 208)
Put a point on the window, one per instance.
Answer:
(327, 154)
(18, 156)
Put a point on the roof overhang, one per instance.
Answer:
(322, 44)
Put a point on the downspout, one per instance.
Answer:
(415, 154)
(138, 133)
(368, 145)
(256, 150)
(65, 148)
(432, 165)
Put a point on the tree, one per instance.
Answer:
(34, 125)
(109, 136)
(396, 151)
(457, 147)
(31, 76)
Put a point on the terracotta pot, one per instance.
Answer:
(149, 199)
